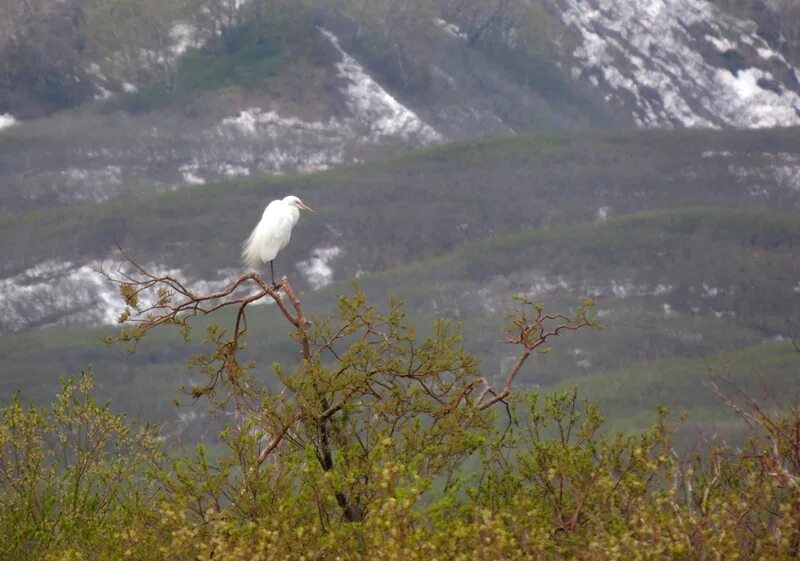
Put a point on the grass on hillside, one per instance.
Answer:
(629, 396)
(145, 384)
(440, 226)
(389, 213)
(683, 247)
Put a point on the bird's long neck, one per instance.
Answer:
(294, 212)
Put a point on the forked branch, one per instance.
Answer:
(531, 332)
(153, 300)
(774, 456)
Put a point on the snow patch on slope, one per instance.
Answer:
(95, 185)
(450, 28)
(317, 269)
(7, 120)
(189, 174)
(286, 144)
(276, 143)
(166, 151)
(778, 174)
(668, 59)
(370, 103)
(115, 75)
(56, 293)
(184, 36)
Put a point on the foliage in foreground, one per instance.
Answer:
(381, 444)
(77, 485)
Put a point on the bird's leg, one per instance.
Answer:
(272, 274)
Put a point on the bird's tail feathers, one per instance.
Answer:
(251, 255)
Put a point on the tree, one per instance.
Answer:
(41, 55)
(381, 445)
(132, 40)
(227, 22)
(219, 19)
(70, 474)
(391, 34)
(476, 17)
(366, 391)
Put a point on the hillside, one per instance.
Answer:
(385, 215)
(672, 279)
(327, 84)
(455, 156)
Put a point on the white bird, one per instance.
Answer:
(272, 233)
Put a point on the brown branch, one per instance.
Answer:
(755, 417)
(509, 380)
(276, 439)
(299, 320)
(175, 303)
(530, 335)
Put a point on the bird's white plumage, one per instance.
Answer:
(272, 232)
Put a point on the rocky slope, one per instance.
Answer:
(682, 63)
(376, 217)
(179, 181)
(669, 64)
(653, 63)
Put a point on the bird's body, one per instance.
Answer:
(272, 232)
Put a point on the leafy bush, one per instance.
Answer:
(380, 444)
(549, 487)
(71, 475)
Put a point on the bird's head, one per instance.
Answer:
(296, 202)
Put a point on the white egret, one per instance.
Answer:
(272, 233)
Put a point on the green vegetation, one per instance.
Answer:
(54, 53)
(252, 65)
(51, 52)
(71, 475)
(272, 51)
(767, 372)
(383, 444)
(422, 204)
(749, 257)
(409, 433)
(683, 248)
(726, 277)
(424, 229)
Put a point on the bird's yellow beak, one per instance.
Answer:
(306, 207)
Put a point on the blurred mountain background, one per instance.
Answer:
(644, 153)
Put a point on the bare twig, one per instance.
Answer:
(530, 334)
